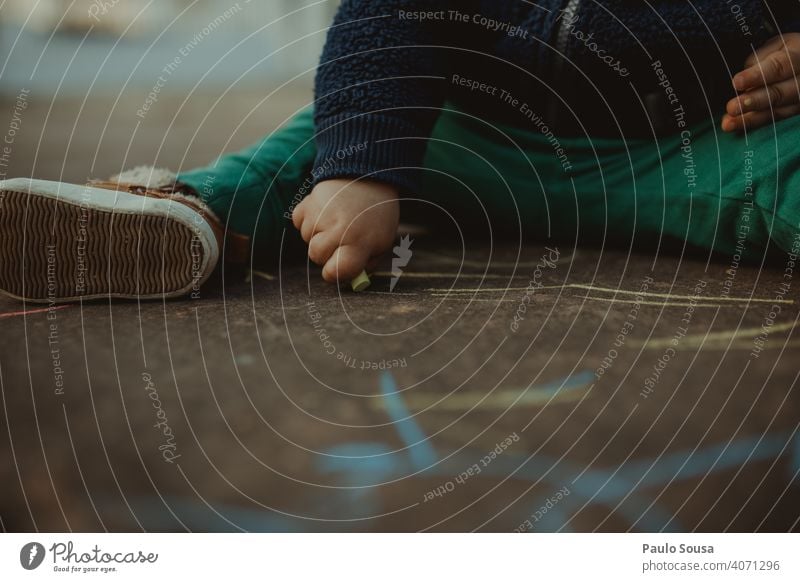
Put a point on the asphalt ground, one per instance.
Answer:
(498, 386)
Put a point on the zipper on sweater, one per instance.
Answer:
(568, 13)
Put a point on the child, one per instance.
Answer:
(577, 120)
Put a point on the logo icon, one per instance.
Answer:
(402, 254)
(31, 555)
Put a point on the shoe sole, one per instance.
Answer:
(62, 242)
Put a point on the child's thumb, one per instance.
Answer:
(298, 214)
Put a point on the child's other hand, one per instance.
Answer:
(768, 85)
(346, 224)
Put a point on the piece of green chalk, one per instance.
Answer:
(361, 282)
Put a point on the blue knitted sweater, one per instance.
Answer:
(389, 65)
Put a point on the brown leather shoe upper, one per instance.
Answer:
(236, 246)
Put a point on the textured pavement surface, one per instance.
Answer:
(497, 387)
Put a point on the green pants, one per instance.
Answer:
(721, 192)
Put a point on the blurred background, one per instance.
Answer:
(71, 46)
(215, 75)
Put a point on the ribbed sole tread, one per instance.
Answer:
(53, 249)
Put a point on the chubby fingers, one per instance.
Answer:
(772, 45)
(298, 215)
(322, 246)
(772, 96)
(339, 262)
(779, 65)
(308, 226)
(321, 250)
(755, 119)
(346, 262)
(768, 86)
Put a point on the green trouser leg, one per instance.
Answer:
(252, 190)
(716, 191)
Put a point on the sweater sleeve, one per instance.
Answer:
(378, 90)
(786, 15)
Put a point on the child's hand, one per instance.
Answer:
(347, 223)
(770, 80)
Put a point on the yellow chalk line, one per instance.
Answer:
(471, 299)
(263, 275)
(605, 299)
(711, 339)
(499, 400)
(428, 275)
(741, 345)
(676, 296)
(488, 289)
(621, 292)
(656, 303)
(479, 264)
